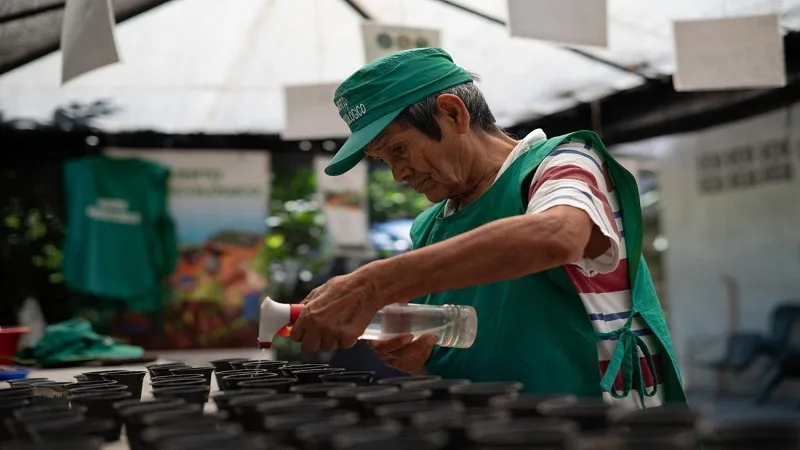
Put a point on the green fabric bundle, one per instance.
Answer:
(75, 340)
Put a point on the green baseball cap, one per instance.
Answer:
(370, 99)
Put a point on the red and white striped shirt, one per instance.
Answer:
(575, 175)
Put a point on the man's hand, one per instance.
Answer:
(404, 352)
(337, 313)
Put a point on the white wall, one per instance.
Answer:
(750, 233)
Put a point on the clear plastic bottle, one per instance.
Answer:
(455, 325)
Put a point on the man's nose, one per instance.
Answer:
(399, 173)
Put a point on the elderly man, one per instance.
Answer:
(543, 237)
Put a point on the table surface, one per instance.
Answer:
(191, 357)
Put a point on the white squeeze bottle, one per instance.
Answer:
(455, 325)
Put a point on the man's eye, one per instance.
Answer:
(397, 151)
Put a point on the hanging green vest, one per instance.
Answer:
(535, 329)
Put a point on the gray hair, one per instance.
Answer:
(422, 114)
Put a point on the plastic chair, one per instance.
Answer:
(783, 347)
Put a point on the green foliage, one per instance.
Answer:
(390, 200)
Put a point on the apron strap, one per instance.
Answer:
(625, 360)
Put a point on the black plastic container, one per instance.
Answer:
(667, 440)
(77, 443)
(49, 393)
(158, 370)
(348, 438)
(192, 376)
(225, 364)
(48, 412)
(191, 394)
(7, 407)
(439, 388)
(282, 385)
(109, 388)
(665, 418)
(184, 413)
(131, 379)
(347, 396)
(371, 400)
(229, 403)
(589, 415)
(18, 392)
(151, 438)
(96, 375)
(311, 376)
(318, 390)
(435, 440)
(318, 435)
(101, 406)
(775, 434)
(244, 410)
(31, 411)
(131, 416)
(216, 441)
(221, 399)
(19, 426)
(87, 384)
(528, 433)
(206, 372)
(360, 378)
(231, 382)
(220, 376)
(456, 423)
(527, 405)
(24, 381)
(104, 428)
(155, 385)
(264, 364)
(404, 411)
(289, 369)
(400, 381)
(480, 394)
(283, 427)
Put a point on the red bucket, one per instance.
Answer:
(9, 343)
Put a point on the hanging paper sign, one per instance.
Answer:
(381, 40)
(344, 203)
(311, 114)
(576, 22)
(730, 53)
(87, 37)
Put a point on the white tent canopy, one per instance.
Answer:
(219, 66)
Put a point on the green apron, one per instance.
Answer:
(535, 329)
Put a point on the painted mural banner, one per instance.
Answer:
(218, 200)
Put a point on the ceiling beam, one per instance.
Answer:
(31, 12)
(8, 66)
(655, 109)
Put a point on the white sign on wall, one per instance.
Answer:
(311, 114)
(213, 191)
(730, 53)
(344, 203)
(87, 37)
(381, 40)
(577, 22)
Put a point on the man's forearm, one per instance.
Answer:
(501, 250)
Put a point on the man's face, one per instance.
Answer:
(432, 168)
(427, 165)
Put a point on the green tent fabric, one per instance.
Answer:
(75, 340)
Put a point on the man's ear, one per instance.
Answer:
(453, 113)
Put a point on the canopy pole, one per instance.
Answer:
(353, 4)
(582, 53)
